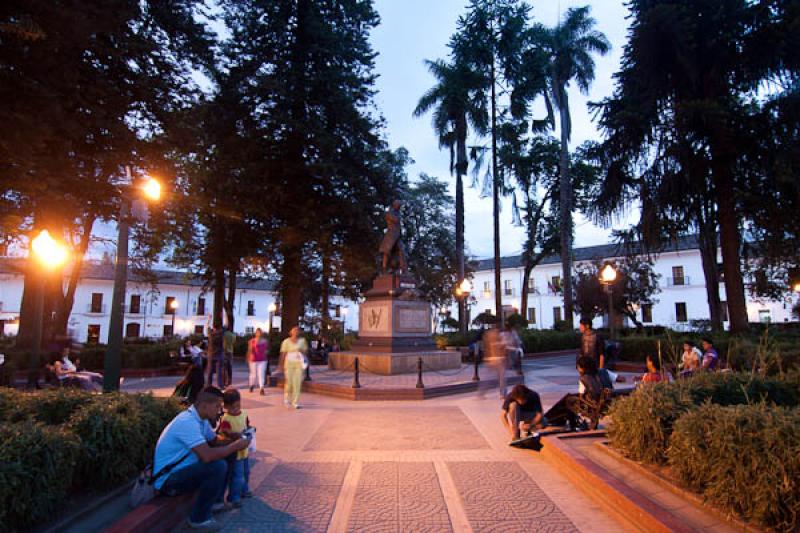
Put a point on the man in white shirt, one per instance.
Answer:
(186, 444)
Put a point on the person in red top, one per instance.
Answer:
(653, 374)
(257, 351)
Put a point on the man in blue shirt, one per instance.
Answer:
(186, 442)
(710, 356)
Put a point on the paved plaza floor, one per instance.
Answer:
(437, 465)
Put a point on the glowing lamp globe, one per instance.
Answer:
(608, 274)
(48, 251)
(152, 189)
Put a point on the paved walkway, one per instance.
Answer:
(437, 465)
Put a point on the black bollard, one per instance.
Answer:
(269, 374)
(356, 383)
(420, 385)
(476, 376)
(308, 372)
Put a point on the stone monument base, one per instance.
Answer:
(388, 364)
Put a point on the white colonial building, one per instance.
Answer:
(149, 303)
(682, 296)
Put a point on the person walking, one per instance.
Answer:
(495, 354)
(293, 353)
(257, 352)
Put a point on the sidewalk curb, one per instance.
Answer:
(693, 498)
(613, 496)
(72, 519)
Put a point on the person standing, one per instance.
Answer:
(228, 344)
(216, 357)
(293, 353)
(591, 344)
(495, 356)
(257, 352)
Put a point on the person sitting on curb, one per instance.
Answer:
(522, 411)
(188, 442)
(710, 356)
(690, 360)
(653, 374)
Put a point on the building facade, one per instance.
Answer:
(681, 300)
(167, 303)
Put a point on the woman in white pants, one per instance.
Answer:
(257, 352)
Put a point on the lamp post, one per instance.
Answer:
(272, 309)
(462, 295)
(608, 274)
(151, 189)
(49, 254)
(173, 307)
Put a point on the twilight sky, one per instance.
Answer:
(414, 30)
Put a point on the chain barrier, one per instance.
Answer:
(339, 371)
(446, 374)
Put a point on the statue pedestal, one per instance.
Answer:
(394, 326)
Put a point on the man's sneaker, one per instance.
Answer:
(208, 525)
(220, 508)
(296, 405)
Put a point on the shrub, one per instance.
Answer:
(642, 421)
(734, 388)
(36, 472)
(537, 341)
(745, 459)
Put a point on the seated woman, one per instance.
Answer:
(65, 369)
(590, 392)
(522, 411)
(654, 373)
(690, 360)
(190, 386)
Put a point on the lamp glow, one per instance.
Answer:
(174, 304)
(273, 307)
(608, 274)
(152, 189)
(48, 251)
(465, 286)
(796, 286)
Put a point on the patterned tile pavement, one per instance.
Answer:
(399, 497)
(500, 496)
(293, 497)
(356, 429)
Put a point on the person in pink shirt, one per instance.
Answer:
(257, 351)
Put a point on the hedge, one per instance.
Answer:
(744, 458)
(643, 421)
(57, 442)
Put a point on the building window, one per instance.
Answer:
(488, 311)
(168, 310)
(647, 313)
(555, 284)
(167, 330)
(487, 289)
(199, 329)
(531, 284)
(556, 315)
(132, 330)
(723, 310)
(97, 303)
(677, 276)
(135, 306)
(764, 316)
(680, 312)
(201, 306)
(337, 311)
(532, 315)
(251, 308)
(508, 289)
(249, 330)
(93, 334)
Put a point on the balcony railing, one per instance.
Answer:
(679, 281)
(96, 309)
(135, 310)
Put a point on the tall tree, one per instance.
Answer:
(457, 102)
(571, 45)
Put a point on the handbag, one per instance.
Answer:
(143, 488)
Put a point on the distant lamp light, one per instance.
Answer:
(796, 286)
(608, 274)
(464, 288)
(273, 307)
(174, 304)
(48, 251)
(152, 189)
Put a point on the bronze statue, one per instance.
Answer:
(394, 254)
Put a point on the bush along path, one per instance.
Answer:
(732, 437)
(58, 442)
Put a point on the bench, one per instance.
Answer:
(159, 515)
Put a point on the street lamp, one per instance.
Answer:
(150, 188)
(50, 254)
(272, 309)
(173, 306)
(462, 294)
(608, 274)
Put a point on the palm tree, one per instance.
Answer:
(455, 106)
(570, 45)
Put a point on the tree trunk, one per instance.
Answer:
(291, 284)
(731, 258)
(707, 240)
(230, 300)
(219, 295)
(325, 294)
(498, 298)
(461, 163)
(565, 215)
(523, 300)
(64, 308)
